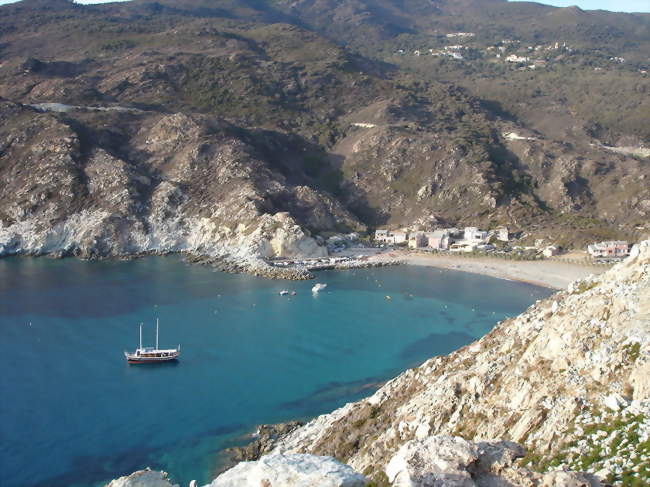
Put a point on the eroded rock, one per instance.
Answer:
(298, 470)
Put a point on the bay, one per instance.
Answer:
(73, 413)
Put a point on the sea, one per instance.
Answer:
(73, 413)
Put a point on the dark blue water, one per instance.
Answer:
(73, 413)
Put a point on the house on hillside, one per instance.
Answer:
(612, 248)
(513, 58)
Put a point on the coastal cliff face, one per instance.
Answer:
(569, 379)
(153, 183)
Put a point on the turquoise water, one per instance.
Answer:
(73, 413)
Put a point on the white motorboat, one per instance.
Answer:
(318, 287)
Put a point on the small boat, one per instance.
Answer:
(293, 293)
(149, 355)
(318, 287)
(284, 292)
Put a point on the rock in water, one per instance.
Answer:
(299, 470)
(143, 478)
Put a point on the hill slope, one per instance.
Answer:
(252, 92)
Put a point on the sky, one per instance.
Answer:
(612, 5)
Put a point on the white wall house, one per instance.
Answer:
(473, 234)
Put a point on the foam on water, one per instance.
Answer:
(73, 413)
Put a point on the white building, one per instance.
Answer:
(513, 58)
(550, 251)
(474, 235)
(614, 248)
(400, 237)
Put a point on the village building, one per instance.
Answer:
(417, 240)
(513, 58)
(612, 248)
(463, 247)
(502, 234)
(439, 240)
(383, 236)
(400, 237)
(550, 251)
(474, 235)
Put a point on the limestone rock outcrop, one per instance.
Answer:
(297, 470)
(143, 478)
(178, 183)
(447, 461)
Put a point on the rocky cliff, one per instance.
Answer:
(569, 379)
(150, 183)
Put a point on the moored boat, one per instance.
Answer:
(146, 355)
(318, 287)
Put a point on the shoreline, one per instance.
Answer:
(553, 274)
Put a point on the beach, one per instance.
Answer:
(553, 274)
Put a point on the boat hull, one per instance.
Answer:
(139, 359)
(150, 360)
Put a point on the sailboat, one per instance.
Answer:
(148, 355)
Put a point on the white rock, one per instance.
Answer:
(435, 461)
(297, 470)
(143, 478)
(614, 402)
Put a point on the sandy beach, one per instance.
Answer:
(548, 273)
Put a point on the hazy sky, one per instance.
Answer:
(613, 5)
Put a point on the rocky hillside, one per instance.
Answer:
(569, 379)
(252, 129)
(116, 183)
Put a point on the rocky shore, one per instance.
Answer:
(564, 388)
(583, 350)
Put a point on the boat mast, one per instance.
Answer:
(140, 335)
(156, 333)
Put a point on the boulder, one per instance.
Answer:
(437, 461)
(297, 470)
(447, 461)
(143, 478)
